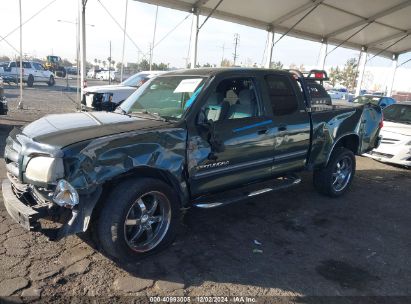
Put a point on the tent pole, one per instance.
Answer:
(124, 43)
(270, 46)
(361, 68)
(20, 105)
(393, 71)
(323, 54)
(194, 40)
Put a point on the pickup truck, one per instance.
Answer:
(190, 138)
(3, 101)
(32, 72)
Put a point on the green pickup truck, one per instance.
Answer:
(201, 137)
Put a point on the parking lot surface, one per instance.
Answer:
(289, 243)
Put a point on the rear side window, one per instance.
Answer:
(282, 95)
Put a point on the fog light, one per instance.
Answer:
(65, 195)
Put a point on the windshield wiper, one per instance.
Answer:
(155, 116)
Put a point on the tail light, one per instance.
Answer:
(84, 83)
(381, 124)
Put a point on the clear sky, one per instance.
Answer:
(44, 35)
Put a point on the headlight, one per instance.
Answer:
(65, 195)
(45, 169)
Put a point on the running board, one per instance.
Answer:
(273, 185)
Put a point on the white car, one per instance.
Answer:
(32, 72)
(104, 75)
(395, 144)
(108, 97)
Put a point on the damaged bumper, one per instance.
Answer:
(67, 221)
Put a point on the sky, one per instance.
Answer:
(44, 35)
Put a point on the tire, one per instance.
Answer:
(336, 178)
(117, 226)
(30, 81)
(51, 81)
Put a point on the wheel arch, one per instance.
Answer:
(149, 172)
(350, 141)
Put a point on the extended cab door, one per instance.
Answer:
(291, 122)
(237, 148)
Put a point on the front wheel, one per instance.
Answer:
(30, 81)
(51, 81)
(335, 179)
(139, 218)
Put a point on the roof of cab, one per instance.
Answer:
(208, 72)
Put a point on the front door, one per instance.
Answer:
(239, 149)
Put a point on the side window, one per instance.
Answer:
(12, 64)
(282, 95)
(26, 65)
(233, 98)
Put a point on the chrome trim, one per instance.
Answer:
(290, 155)
(258, 192)
(244, 165)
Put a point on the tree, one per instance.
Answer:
(95, 61)
(104, 63)
(207, 65)
(276, 65)
(66, 63)
(4, 58)
(144, 65)
(349, 74)
(335, 76)
(226, 63)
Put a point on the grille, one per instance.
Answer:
(11, 157)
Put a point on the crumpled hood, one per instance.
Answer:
(398, 128)
(61, 130)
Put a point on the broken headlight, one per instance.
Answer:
(44, 169)
(65, 195)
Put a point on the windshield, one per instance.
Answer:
(136, 80)
(367, 99)
(398, 113)
(165, 96)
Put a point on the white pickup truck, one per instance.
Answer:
(32, 72)
(108, 97)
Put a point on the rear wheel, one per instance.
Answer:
(139, 218)
(335, 179)
(30, 81)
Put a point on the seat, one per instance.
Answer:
(245, 106)
(215, 106)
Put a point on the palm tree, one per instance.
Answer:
(104, 63)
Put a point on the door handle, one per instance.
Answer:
(282, 128)
(262, 131)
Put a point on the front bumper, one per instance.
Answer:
(63, 221)
(21, 213)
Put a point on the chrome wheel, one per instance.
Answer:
(147, 221)
(342, 174)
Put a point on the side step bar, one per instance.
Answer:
(274, 185)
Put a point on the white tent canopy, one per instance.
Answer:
(380, 26)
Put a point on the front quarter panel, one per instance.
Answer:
(100, 160)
